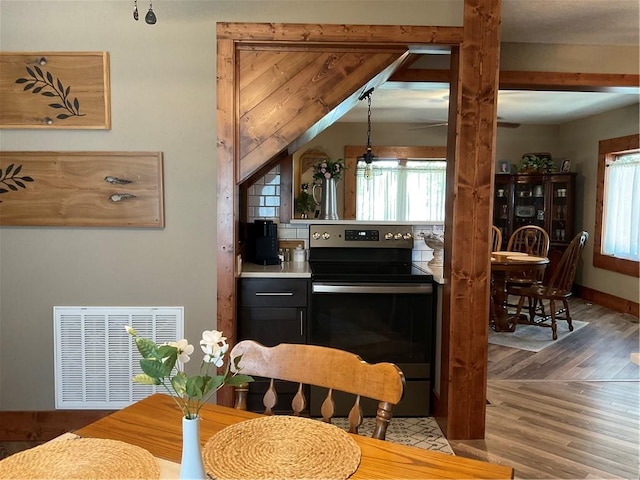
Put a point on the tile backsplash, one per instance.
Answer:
(263, 203)
(263, 197)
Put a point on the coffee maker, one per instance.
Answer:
(263, 242)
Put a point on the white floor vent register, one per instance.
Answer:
(95, 357)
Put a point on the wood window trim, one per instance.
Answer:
(352, 152)
(606, 150)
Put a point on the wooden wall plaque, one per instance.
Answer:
(81, 189)
(56, 90)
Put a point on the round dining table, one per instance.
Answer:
(504, 265)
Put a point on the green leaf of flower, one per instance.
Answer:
(236, 362)
(146, 347)
(179, 383)
(143, 379)
(215, 383)
(166, 351)
(195, 387)
(155, 368)
(238, 379)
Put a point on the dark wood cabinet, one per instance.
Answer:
(543, 199)
(272, 311)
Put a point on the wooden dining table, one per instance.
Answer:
(155, 425)
(502, 266)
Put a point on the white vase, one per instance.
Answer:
(438, 250)
(191, 465)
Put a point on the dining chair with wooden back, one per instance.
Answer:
(530, 239)
(496, 244)
(330, 368)
(557, 289)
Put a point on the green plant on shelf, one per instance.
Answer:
(536, 164)
(305, 203)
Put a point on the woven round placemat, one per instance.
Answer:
(81, 458)
(281, 446)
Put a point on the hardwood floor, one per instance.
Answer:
(570, 410)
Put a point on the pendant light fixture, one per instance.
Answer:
(368, 155)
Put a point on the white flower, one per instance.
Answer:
(130, 330)
(214, 345)
(184, 350)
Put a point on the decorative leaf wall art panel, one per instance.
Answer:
(56, 90)
(81, 189)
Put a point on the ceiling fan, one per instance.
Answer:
(444, 123)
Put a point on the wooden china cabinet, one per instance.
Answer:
(543, 199)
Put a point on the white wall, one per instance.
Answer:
(579, 141)
(163, 82)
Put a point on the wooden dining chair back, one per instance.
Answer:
(558, 288)
(330, 368)
(496, 244)
(530, 239)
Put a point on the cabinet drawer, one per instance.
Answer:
(269, 292)
(271, 326)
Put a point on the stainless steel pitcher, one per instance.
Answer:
(328, 199)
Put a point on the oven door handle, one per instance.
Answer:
(381, 288)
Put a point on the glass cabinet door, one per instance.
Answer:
(529, 201)
(502, 207)
(545, 200)
(561, 225)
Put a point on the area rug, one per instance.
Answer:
(421, 432)
(532, 337)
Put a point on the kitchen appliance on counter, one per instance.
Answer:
(263, 242)
(368, 298)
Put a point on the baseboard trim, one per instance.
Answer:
(42, 426)
(617, 304)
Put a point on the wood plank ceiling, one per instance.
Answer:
(280, 84)
(283, 93)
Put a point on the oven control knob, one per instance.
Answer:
(407, 236)
(326, 236)
(398, 236)
(316, 235)
(388, 236)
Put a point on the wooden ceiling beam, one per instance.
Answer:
(521, 80)
(369, 35)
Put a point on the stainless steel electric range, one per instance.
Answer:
(368, 298)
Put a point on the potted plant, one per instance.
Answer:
(304, 202)
(536, 163)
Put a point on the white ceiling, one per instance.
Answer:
(580, 22)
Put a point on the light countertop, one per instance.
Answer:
(284, 270)
(303, 270)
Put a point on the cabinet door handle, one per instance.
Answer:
(274, 294)
(301, 323)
